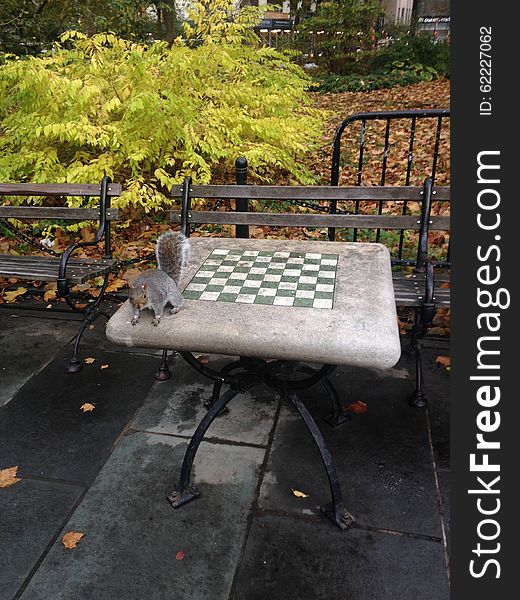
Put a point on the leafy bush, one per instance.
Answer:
(414, 49)
(367, 83)
(148, 116)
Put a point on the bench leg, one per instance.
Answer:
(74, 363)
(163, 372)
(185, 492)
(418, 398)
(335, 511)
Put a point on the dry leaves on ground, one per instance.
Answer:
(180, 555)
(89, 360)
(443, 361)
(8, 477)
(299, 494)
(87, 407)
(71, 539)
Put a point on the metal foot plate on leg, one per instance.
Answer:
(339, 515)
(179, 497)
(74, 366)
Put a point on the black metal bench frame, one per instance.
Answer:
(64, 269)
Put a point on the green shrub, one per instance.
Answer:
(367, 83)
(414, 49)
(148, 116)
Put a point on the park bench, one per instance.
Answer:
(63, 269)
(282, 305)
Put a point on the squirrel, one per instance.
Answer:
(155, 288)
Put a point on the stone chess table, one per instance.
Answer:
(321, 302)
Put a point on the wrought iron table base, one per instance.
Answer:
(277, 375)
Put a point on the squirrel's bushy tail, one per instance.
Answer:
(172, 253)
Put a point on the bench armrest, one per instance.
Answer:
(103, 230)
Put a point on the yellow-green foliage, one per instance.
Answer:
(149, 115)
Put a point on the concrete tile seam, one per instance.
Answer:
(211, 440)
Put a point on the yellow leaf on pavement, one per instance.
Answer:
(11, 296)
(90, 360)
(299, 494)
(104, 366)
(8, 477)
(87, 407)
(70, 540)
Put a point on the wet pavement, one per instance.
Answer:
(106, 473)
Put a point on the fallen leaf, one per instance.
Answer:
(443, 361)
(357, 407)
(87, 407)
(8, 477)
(70, 540)
(180, 555)
(11, 296)
(299, 494)
(90, 360)
(204, 360)
(49, 295)
(104, 366)
(49, 306)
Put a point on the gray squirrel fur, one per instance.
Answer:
(156, 288)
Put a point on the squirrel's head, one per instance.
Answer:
(139, 295)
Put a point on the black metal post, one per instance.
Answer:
(242, 204)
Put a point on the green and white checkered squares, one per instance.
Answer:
(258, 277)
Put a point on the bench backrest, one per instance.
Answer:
(281, 195)
(104, 214)
(56, 190)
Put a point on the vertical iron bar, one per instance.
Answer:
(436, 150)
(185, 206)
(360, 166)
(383, 171)
(242, 204)
(407, 182)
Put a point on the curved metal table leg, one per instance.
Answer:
(335, 511)
(185, 492)
(217, 386)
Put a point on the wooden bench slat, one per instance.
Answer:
(46, 269)
(50, 212)
(312, 192)
(313, 220)
(57, 189)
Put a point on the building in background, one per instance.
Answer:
(432, 17)
(398, 12)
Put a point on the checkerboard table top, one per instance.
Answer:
(359, 327)
(279, 278)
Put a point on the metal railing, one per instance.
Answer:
(438, 116)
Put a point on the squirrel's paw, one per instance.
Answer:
(134, 320)
(175, 310)
(156, 321)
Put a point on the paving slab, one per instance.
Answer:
(287, 558)
(382, 456)
(437, 380)
(43, 429)
(31, 514)
(176, 407)
(28, 344)
(133, 535)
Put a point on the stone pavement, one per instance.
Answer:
(106, 473)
